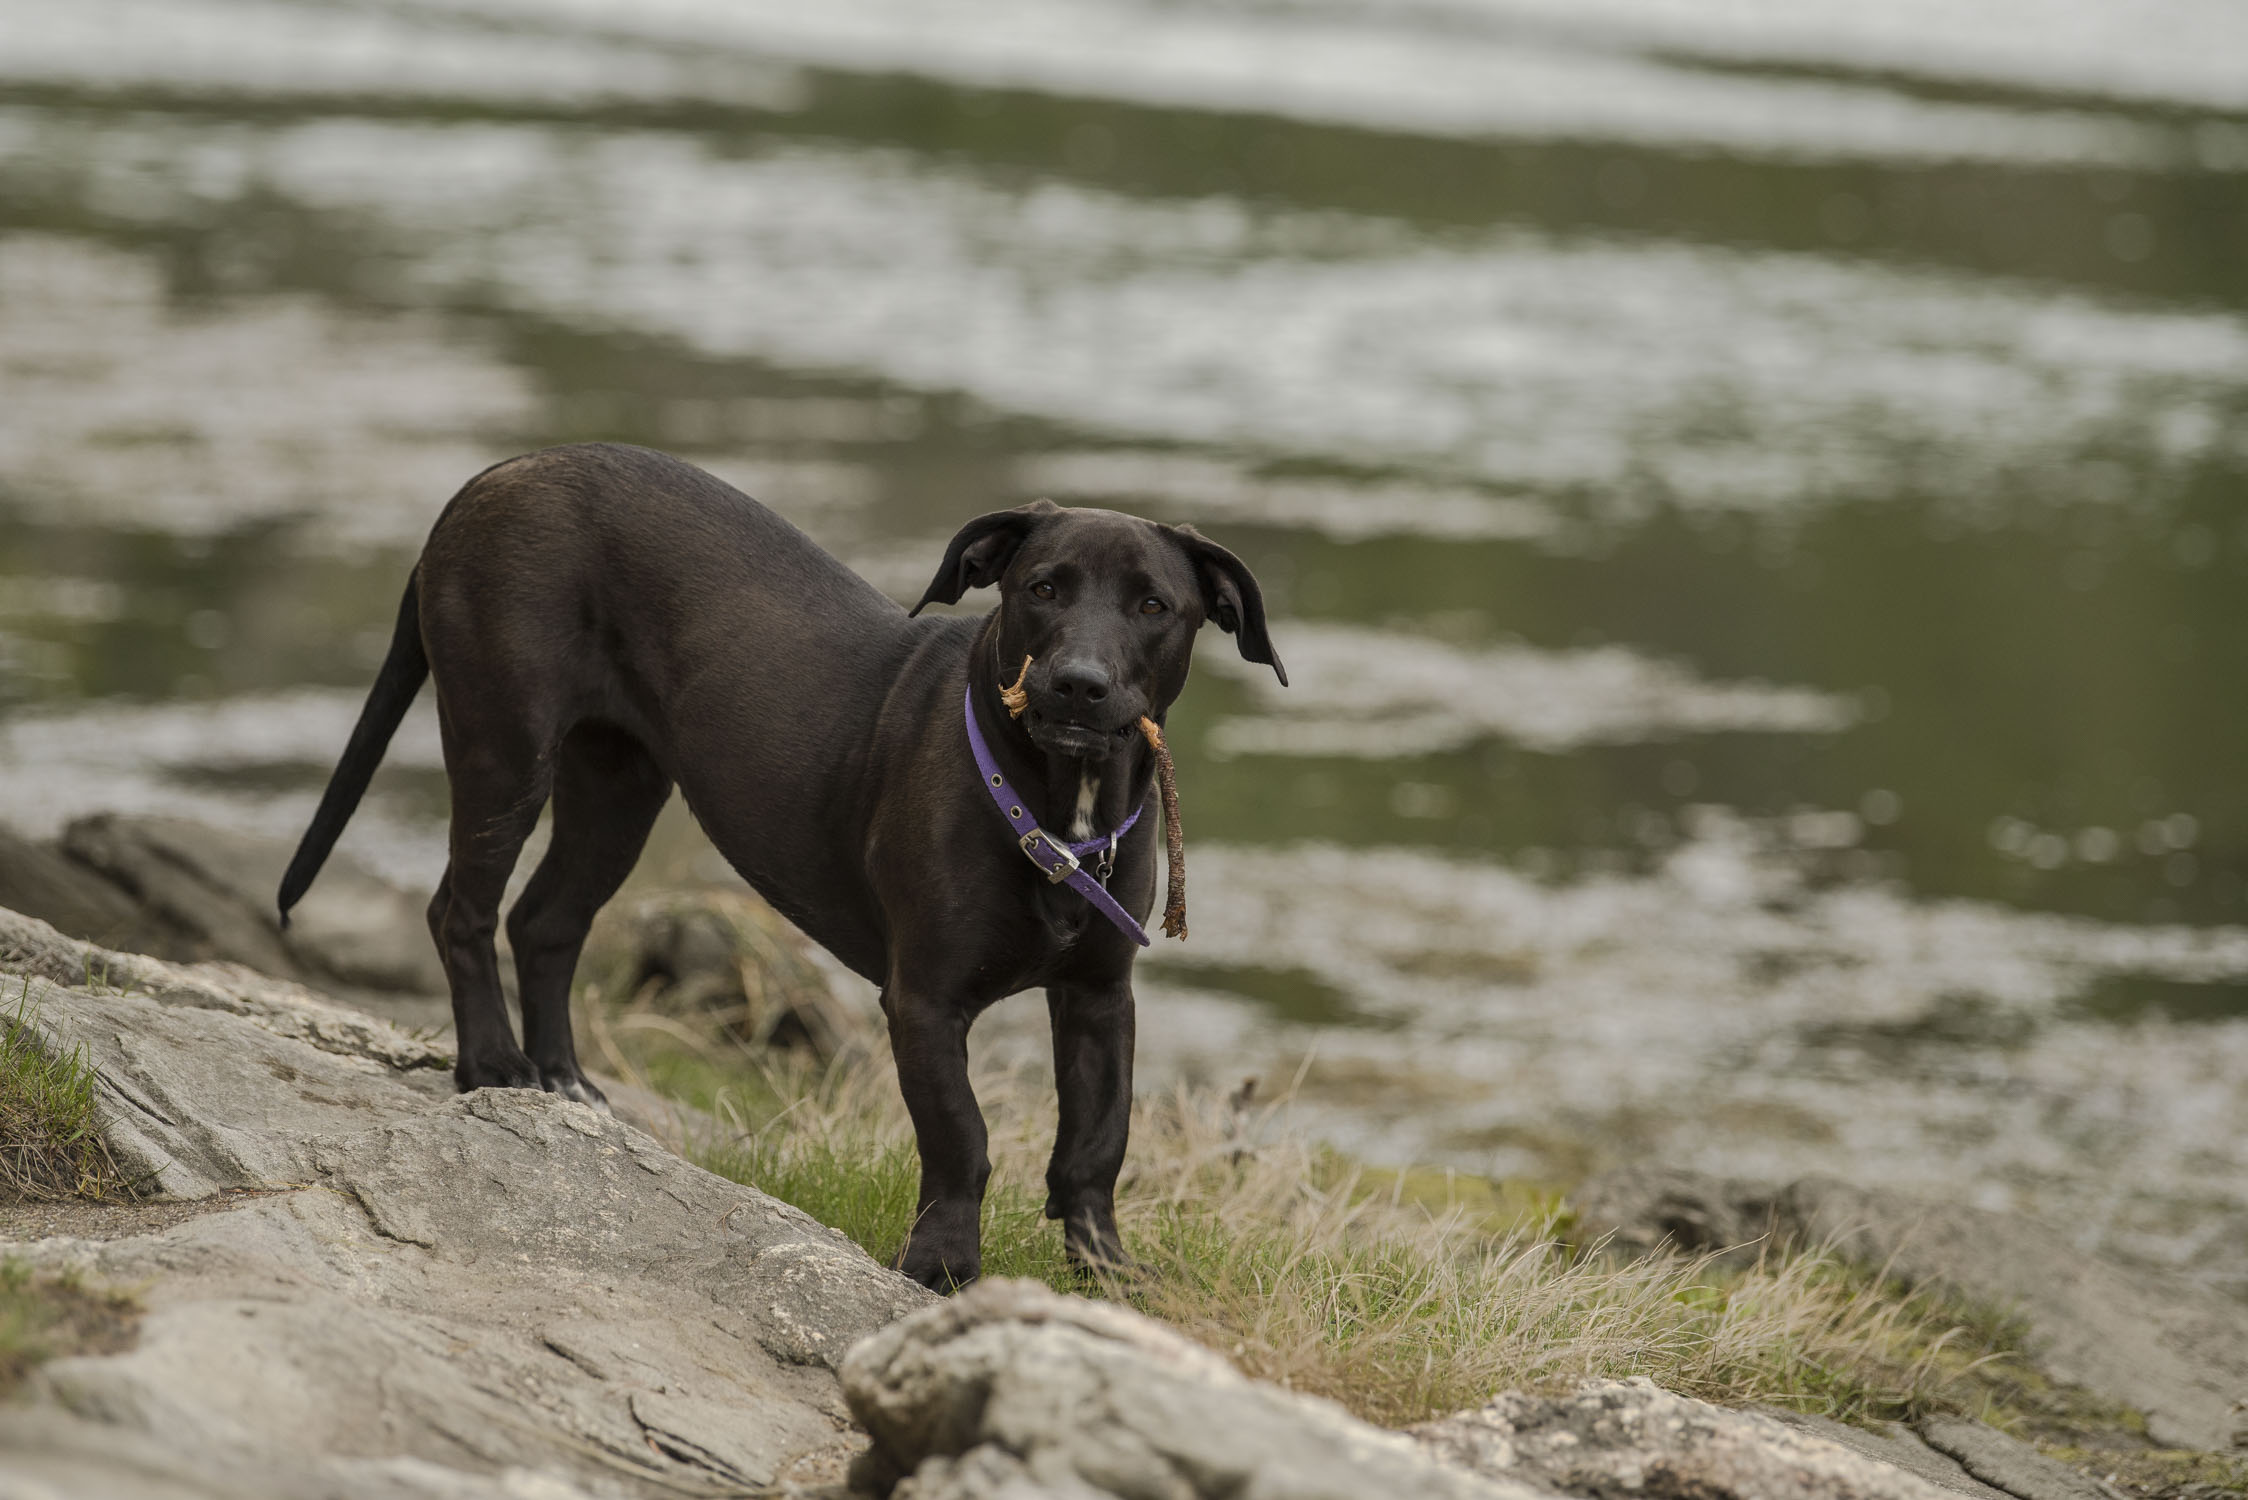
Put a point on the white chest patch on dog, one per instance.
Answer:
(1088, 787)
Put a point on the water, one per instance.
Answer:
(1754, 498)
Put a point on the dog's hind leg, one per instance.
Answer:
(499, 781)
(607, 792)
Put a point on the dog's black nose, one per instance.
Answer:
(1080, 683)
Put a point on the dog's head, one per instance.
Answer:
(1106, 606)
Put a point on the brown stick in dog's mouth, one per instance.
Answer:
(1174, 837)
(1016, 697)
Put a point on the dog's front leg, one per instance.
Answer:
(930, 1041)
(1093, 1025)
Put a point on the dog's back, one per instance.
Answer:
(638, 575)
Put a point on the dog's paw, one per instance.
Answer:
(1107, 1264)
(940, 1270)
(939, 1278)
(571, 1084)
(504, 1071)
(1096, 1251)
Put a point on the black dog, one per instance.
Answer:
(604, 621)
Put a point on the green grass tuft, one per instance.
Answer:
(51, 1144)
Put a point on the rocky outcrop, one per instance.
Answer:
(37, 878)
(283, 1008)
(1617, 1437)
(2132, 1336)
(189, 892)
(1009, 1390)
(427, 1294)
(2005, 1463)
(398, 1291)
(723, 956)
(1896, 1444)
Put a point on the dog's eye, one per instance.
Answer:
(1042, 589)
(1152, 606)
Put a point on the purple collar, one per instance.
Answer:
(1060, 863)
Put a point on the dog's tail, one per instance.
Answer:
(395, 685)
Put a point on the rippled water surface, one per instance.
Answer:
(1755, 496)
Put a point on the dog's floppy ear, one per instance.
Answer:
(981, 552)
(1230, 597)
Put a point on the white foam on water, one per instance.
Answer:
(173, 759)
(1726, 1012)
(1355, 691)
(353, 51)
(125, 410)
(1346, 510)
(1620, 375)
(2179, 52)
(799, 487)
(1520, 69)
(1453, 71)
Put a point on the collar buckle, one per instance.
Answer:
(1056, 874)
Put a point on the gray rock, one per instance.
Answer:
(988, 1473)
(724, 955)
(500, 1294)
(50, 1454)
(164, 866)
(214, 887)
(2008, 1463)
(2137, 1337)
(1894, 1443)
(1012, 1390)
(29, 947)
(1615, 1437)
(2141, 1338)
(42, 881)
(1641, 1209)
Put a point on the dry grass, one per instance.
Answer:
(1291, 1260)
(50, 1139)
(1305, 1268)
